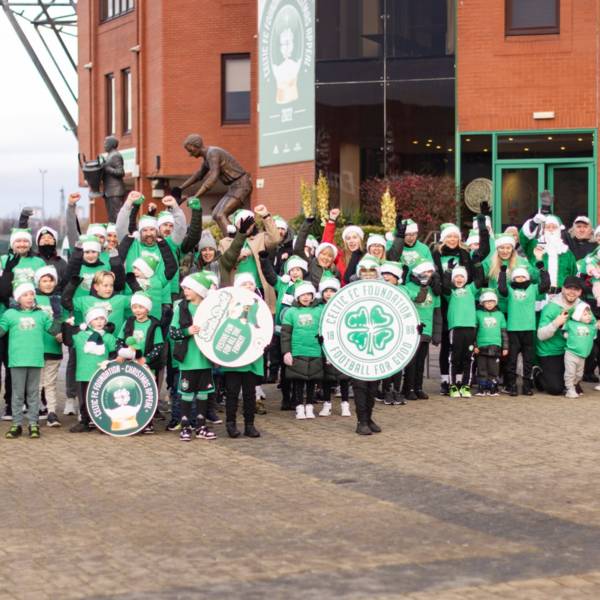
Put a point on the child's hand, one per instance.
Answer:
(561, 319)
(476, 351)
(504, 352)
(288, 359)
(538, 252)
(193, 329)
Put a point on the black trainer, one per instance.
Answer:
(14, 432)
(421, 395)
(527, 388)
(212, 417)
(445, 388)
(410, 395)
(80, 428)
(52, 420)
(173, 425)
(512, 390)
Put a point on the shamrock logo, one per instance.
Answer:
(371, 329)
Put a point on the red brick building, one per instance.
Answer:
(173, 54)
(505, 92)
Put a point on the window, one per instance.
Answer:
(109, 9)
(127, 100)
(532, 17)
(235, 93)
(111, 112)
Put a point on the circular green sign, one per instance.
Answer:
(370, 330)
(122, 398)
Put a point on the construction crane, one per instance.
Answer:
(47, 29)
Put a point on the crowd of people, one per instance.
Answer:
(521, 303)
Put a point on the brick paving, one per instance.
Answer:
(456, 499)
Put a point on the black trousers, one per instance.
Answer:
(394, 382)
(287, 391)
(413, 372)
(344, 389)
(82, 387)
(462, 340)
(275, 359)
(444, 356)
(246, 381)
(520, 342)
(553, 374)
(591, 362)
(299, 385)
(488, 367)
(364, 399)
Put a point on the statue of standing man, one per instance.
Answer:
(113, 173)
(218, 165)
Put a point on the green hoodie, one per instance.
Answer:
(304, 321)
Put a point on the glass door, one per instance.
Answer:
(572, 186)
(517, 189)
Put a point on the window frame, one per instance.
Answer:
(110, 84)
(510, 31)
(224, 59)
(106, 14)
(127, 100)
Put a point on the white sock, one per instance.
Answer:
(445, 378)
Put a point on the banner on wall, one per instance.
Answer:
(286, 59)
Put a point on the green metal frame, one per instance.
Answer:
(497, 164)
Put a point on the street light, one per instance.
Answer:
(43, 174)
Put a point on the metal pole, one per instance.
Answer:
(43, 174)
(40, 68)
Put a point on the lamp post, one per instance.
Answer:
(43, 174)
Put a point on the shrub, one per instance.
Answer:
(427, 199)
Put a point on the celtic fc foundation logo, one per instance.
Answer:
(122, 398)
(370, 330)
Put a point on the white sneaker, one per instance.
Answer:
(7, 417)
(70, 407)
(326, 410)
(300, 414)
(597, 388)
(260, 394)
(346, 409)
(572, 393)
(310, 413)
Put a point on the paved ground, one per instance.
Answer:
(456, 499)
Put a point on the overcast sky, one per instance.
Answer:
(32, 134)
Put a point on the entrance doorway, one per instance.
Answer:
(517, 188)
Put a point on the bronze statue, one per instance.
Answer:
(218, 164)
(113, 173)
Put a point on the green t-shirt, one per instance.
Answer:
(194, 359)
(88, 362)
(489, 328)
(493, 281)
(580, 337)
(410, 254)
(140, 332)
(87, 274)
(25, 269)
(51, 344)
(426, 308)
(461, 306)
(285, 299)
(521, 308)
(159, 291)
(304, 321)
(26, 331)
(115, 306)
(555, 346)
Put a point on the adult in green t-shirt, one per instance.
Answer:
(550, 345)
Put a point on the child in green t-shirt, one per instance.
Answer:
(491, 342)
(148, 336)
(93, 345)
(26, 326)
(580, 333)
(195, 370)
(461, 296)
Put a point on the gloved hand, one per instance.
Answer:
(12, 261)
(246, 225)
(288, 360)
(451, 264)
(126, 353)
(152, 208)
(400, 227)
(484, 207)
(539, 218)
(194, 203)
